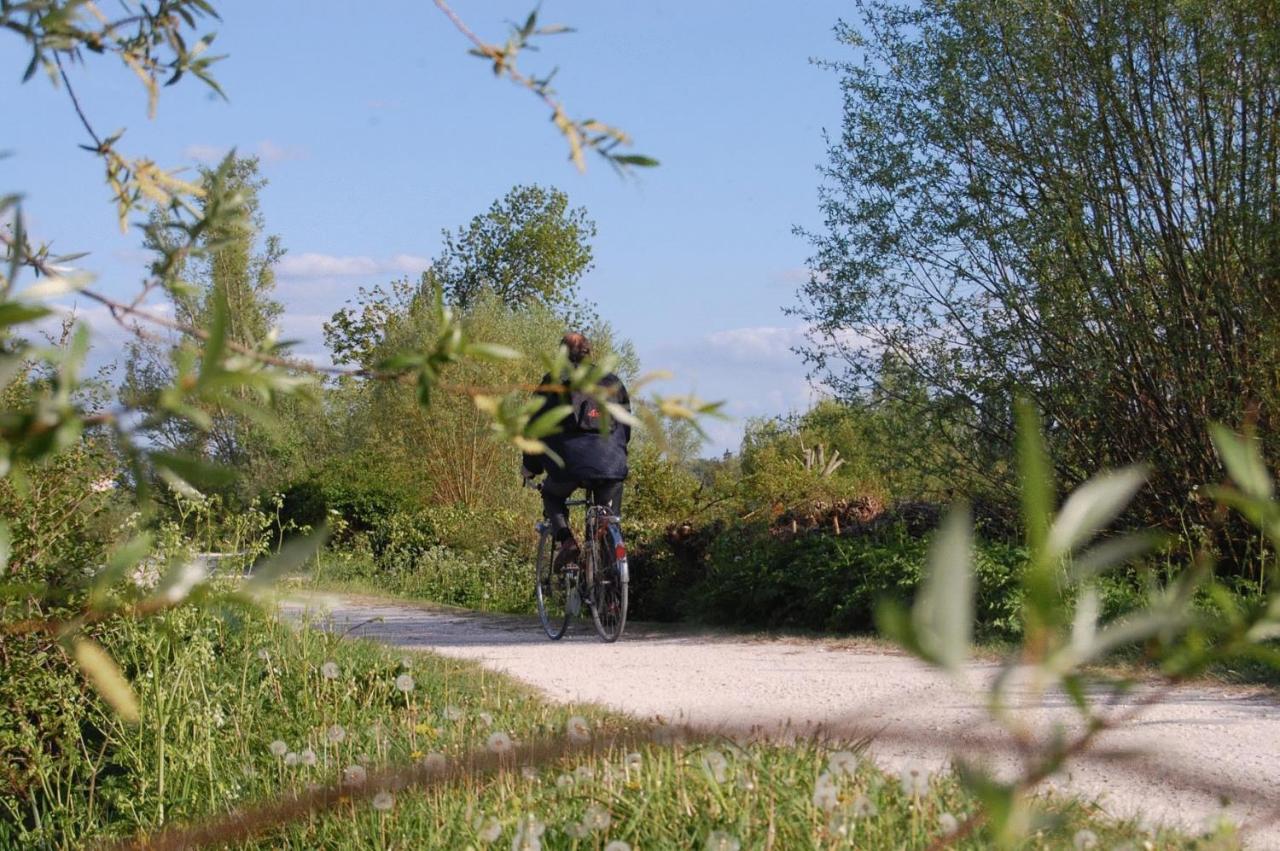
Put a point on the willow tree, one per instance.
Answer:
(1072, 201)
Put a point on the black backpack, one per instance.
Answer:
(586, 413)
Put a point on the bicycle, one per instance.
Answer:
(600, 579)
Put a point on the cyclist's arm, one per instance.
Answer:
(622, 431)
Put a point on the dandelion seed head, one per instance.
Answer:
(583, 772)
(453, 713)
(278, 748)
(863, 807)
(718, 840)
(383, 801)
(947, 823)
(488, 829)
(1084, 839)
(914, 781)
(826, 795)
(578, 730)
(596, 819)
(435, 762)
(528, 835)
(404, 683)
(354, 775)
(329, 670)
(634, 761)
(308, 757)
(617, 845)
(528, 772)
(291, 758)
(485, 719)
(336, 733)
(564, 781)
(843, 762)
(499, 743)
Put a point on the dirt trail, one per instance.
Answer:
(1214, 744)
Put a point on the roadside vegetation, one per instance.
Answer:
(238, 710)
(1059, 438)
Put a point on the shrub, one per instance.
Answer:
(748, 575)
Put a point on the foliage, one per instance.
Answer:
(1068, 202)
(530, 246)
(228, 363)
(1063, 628)
(747, 575)
(224, 684)
(236, 277)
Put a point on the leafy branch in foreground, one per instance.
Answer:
(1063, 631)
(582, 135)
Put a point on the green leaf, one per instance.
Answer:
(491, 352)
(15, 313)
(295, 553)
(1114, 553)
(1242, 456)
(104, 675)
(196, 471)
(124, 557)
(215, 346)
(1091, 507)
(943, 612)
(638, 160)
(1035, 476)
(1004, 808)
(6, 546)
(549, 422)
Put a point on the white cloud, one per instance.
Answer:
(271, 152)
(205, 153)
(313, 265)
(759, 343)
(267, 150)
(753, 369)
(324, 266)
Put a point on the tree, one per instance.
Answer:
(1067, 201)
(529, 246)
(233, 277)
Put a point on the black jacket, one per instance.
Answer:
(587, 455)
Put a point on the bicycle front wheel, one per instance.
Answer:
(552, 590)
(609, 585)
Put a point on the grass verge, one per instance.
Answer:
(238, 709)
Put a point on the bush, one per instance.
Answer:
(416, 554)
(751, 576)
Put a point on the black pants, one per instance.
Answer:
(606, 492)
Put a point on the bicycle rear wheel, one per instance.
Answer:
(610, 582)
(552, 590)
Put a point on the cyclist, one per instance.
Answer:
(595, 461)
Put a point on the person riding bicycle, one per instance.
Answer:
(592, 460)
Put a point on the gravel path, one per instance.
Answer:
(1201, 751)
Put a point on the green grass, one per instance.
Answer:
(497, 581)
(218, 687)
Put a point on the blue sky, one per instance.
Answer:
(377, 130)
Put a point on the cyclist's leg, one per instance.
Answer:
(554, 495)
(607, 492)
